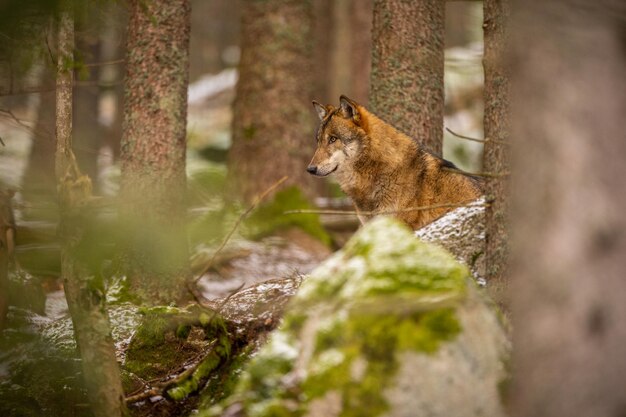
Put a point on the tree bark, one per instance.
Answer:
(568, 289)
(495, 154)
(85, 298)
(273, 117)
(153, 185)
(407, 68)
(7, 246)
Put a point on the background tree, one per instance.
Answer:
(153, 148)
(496, 127)
(86, 125)
(85, 296)
(407, 68)
(273, 116)
(568, 289)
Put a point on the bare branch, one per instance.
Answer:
(478, 174)
(382, 212)
(501, 142)
(101, 64)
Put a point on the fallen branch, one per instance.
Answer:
(501, 142)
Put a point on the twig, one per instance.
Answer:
(224, 301)
(101, 64)
(2, 142)
(374, 213)
(241, 218)
(501, 142)
(478, 174)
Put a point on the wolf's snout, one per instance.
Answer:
(312, 169)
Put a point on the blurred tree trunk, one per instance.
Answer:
(495, 155)
(342, 35)
(323, 35)
(87, 131)
(407, 68)
(85, 297)
(273, 117)
(568, 291)
(38, 183)
(153, 184)
(340, 65)
(360, 15)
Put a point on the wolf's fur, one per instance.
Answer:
(382, 169)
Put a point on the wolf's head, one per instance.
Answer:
(339, 136)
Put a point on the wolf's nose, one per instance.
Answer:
(312, 169)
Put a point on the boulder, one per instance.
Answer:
(388, 326)
(462, 232)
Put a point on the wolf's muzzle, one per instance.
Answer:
(312, 169)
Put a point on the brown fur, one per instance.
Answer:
(384, 170)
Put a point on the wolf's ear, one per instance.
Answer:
(320, 109)
(349, 109)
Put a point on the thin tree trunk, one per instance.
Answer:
(407, 68)
(273, 117)
(569, 290)
(85, 298)
(495, 156)
(7, 246)
(153, 184)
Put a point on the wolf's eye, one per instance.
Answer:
(332, 139)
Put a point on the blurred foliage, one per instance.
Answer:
(271, 216)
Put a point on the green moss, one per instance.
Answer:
(160, 344)
(386, 293)
(192, 384)
(271, 216)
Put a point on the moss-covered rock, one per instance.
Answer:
(387, 326)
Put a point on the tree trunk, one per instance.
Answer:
(273, 117)
(495, 154)
(85, 297)
(87, 131)
(360, 49)
(39, 188)
(323, 35)
(407, 68)
(153, 185)
(7, 246)
(568, 291)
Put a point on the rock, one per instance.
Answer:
(388, 326)
(462, 232)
